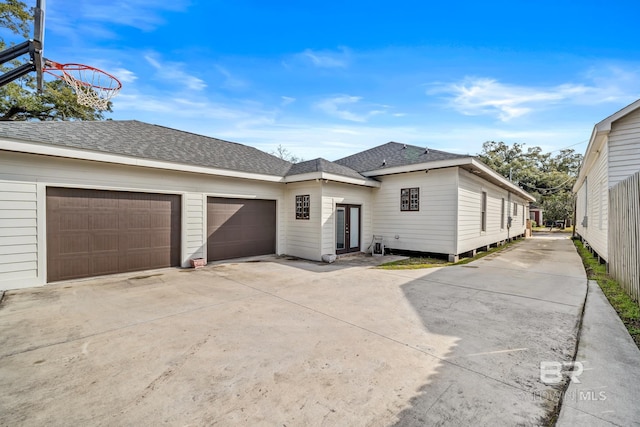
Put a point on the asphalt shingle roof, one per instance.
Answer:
(147, 141)
(394, 154)
(143, 140)
(322, 165)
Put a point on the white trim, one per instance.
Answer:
(205, 228)
(41, 233)
(598, 138)
(184, 258)
(326, 176)
(605, 125)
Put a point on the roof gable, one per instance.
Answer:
(322, 165)
(605, 125)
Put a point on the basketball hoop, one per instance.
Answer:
(93, 87)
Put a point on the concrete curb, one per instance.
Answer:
(610, 383)
(555, 416)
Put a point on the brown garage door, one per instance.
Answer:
(240, 227)
(95, 232)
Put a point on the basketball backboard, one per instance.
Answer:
(92, 86)
(33, 47)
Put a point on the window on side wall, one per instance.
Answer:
(483, 212)
(302, 206)
(515, 209)
(410, 199)
(502, 215)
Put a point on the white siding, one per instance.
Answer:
(335, 193)
(194, 236)
(432, 228)
(18, 234)
(470, 234)
(53, 171)
(624, 148)
(304, 235)
(592, 202)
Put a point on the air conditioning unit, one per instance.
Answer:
(585, 221)
(377, 246)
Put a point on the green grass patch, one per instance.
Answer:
(414, 263)
(418, 262)
(627, 309)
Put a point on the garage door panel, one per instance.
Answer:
(107, 264)
(71, 244)
(104, 242)
(103, 221)
(94, 232)
(240, 227)
(73, 221)
(134, 240)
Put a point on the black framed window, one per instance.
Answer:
(303, 204)
(410, 199)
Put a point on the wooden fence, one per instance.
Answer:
(624, 234)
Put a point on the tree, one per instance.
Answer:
(285, 154)
(547, 177)
(19, 99)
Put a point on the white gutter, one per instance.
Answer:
(326, 176)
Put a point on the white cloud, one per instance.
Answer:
(141, 14)
(326, 59)
(172, 71)
(124, 75)
(286, 100)
(335, 107)
(486, 96)
(231, 82)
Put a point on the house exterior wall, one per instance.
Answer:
(433, 227)
(304, 236)
(624, 148)
(21, 173)
(194, 226)
(592, 204)
(469, 220)
(18, 233)
(336, 193)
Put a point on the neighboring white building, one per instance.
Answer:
(612, 155)
(81, 199)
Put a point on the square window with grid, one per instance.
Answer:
(410, 199)
(302, 206)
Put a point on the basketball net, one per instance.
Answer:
(93, 87)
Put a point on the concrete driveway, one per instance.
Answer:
(285, 342)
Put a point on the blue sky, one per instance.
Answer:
(330, 78)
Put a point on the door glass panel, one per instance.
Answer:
(340, 229)
(354, 227)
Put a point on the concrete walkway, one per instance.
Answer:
(609, 387)
(286, 342)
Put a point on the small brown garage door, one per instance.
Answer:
(95, 232)
(240, 227)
